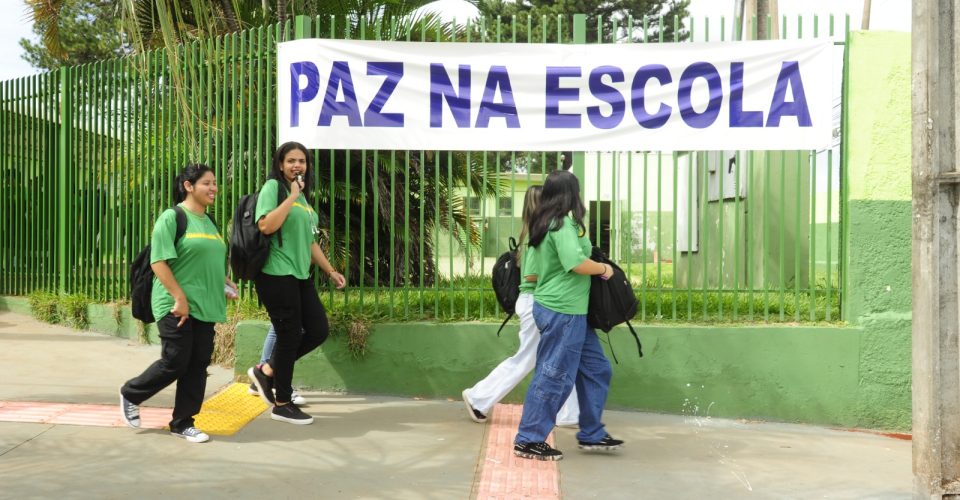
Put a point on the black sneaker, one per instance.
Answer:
(253, 389)
(537, 451)
(129, 411)
(474, 413)
(607, 443)
(290, 413)
(263, 382)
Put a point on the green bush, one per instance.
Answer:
(43, 306)
(73, 311)
(53, 308)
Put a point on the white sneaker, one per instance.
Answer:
(193, 435)
(295, 397)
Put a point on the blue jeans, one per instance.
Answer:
(569, 354)
(268, 344)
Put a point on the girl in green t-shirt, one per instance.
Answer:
(284, 285)
(482, 397)
(188, 297)
(569, 353)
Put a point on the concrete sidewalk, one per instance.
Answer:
(380, 447)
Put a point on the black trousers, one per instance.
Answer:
(299, 320)
(184, 357)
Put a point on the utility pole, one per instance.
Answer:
(936, 305)
(865, 23)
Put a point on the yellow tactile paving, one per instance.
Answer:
(229, 410)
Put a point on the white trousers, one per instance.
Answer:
(489, 391)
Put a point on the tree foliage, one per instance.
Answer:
(537, 20)
(73, 32)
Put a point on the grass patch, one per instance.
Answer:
(44, 306)
(74, 311)
(51, 307)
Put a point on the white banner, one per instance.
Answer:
(348, 94)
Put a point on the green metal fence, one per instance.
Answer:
(89, 153)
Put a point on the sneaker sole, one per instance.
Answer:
(260, 391)
(466, 402)
(123, 414)
(296, 421)
(191, 439)
(534, 456)
(597, 447)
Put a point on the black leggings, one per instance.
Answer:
(299, 320)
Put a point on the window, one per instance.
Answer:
(473, 206)
(505, 206)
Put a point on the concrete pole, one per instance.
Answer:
(865, 22)
(760, 11)
(936, 311)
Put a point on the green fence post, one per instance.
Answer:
(63, 159)
(579, 159)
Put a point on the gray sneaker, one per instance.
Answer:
(129, 411)
(192, 434)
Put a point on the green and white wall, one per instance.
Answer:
(877, 229)
(853, 375)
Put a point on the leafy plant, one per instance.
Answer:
(73, 310)
(44, 306)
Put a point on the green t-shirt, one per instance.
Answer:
(558, 288)
(528, 266)
(293, 258)
(198, 262)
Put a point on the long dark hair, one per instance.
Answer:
(561, 196)
(191, 173)
(276, 172)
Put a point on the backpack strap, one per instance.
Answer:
(504, 321)
(181, 223)
(636, 338)
(609, 343)
(281, 195)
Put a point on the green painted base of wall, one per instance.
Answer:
(792, 374)
(101, 318)
(19, 305)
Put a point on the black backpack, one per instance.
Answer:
(612, 301)
(506, 281)
(141, 274)
(249, 248)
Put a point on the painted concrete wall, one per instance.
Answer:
(877, 231)
(795, 374)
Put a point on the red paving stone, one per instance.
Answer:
(79, 414)
(505, 476)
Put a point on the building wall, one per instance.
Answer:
(877, 230)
